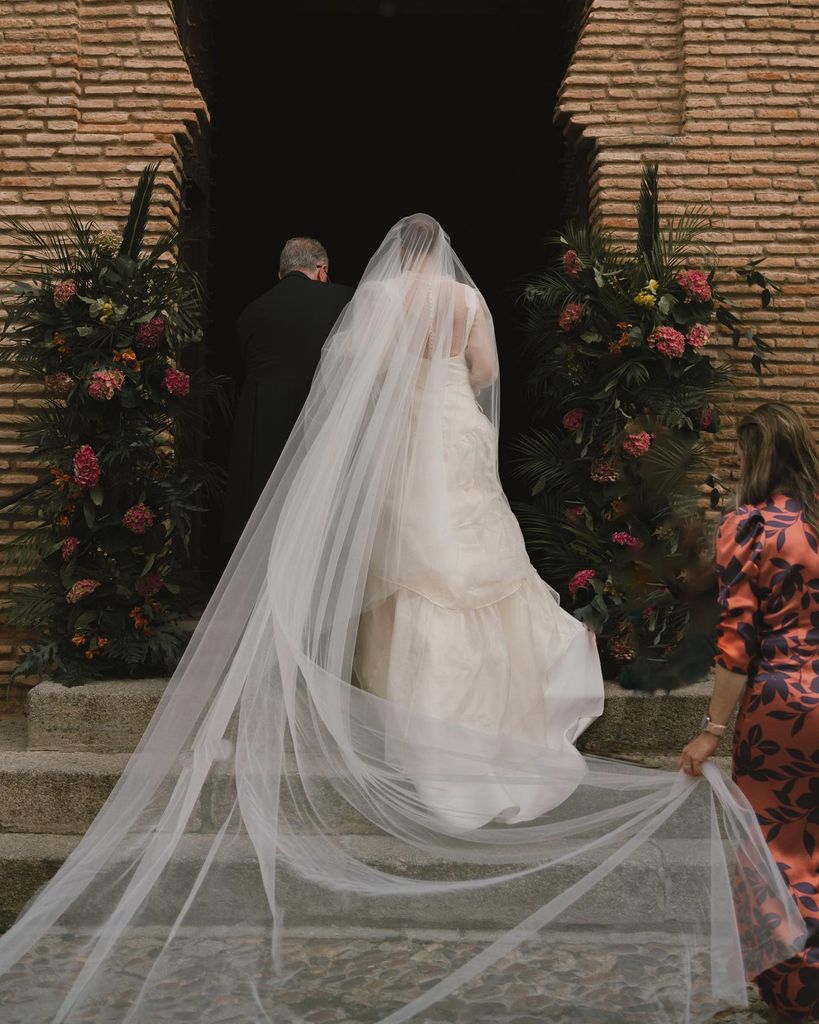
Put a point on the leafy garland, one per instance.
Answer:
(623, 394)
(101, 323)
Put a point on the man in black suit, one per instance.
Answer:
(281, 335)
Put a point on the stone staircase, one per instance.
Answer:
(60, 761)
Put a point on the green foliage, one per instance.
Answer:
(623, 393)
(102, 322)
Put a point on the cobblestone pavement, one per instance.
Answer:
(360, 977)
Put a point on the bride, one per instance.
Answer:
(372, 730)
(457, 625)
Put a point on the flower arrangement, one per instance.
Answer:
(623, 393)
(103, 322)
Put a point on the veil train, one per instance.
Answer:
(324, 756)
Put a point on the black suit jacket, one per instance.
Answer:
(281, 335)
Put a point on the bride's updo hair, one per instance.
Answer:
(418, 234)
(779, 454)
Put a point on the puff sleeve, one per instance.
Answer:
(739, 547)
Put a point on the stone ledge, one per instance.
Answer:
(104, 717)
(110, 717)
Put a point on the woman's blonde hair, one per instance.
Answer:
(780, 456)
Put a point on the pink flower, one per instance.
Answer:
(68, 547)
(626, 540)
(150, 335)
(104, 384)
(570, 316)
(571, 263)
(603, 472)
(176, 382)
(64, 291)
(147, 586)
(58, 384)
(575, 511)
(621, 650)
(668, 341)
(637, 444)
(706, 418)
(698, 336)
(573, 420)
(581, 579)
(695, 285)
(648, 611)
(81, 589)
(138, 519)
(86, 466)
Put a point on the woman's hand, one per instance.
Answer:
(697, 752)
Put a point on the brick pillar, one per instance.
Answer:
(723, 96)
(91, 91)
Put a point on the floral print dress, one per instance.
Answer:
(768, 565)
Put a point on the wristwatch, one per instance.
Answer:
(708, 726)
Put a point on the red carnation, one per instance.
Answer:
(695, 286)
(581, 579)
(58, 384)
(570, 316)
(150, 335)
(147, 586)
(668, 341)
(86, 466)
(571, 263)
(64, 291)
(81, 589)
(138, 519)
(573, 419)
(68, 547)
(176, 382)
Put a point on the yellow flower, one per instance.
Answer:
(645, 298)
(611, 589)
(652, 286)
(106, 310)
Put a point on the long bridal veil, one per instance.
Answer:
(279, 818)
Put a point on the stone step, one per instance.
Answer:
(110, 717)
(55, 792)
(107, 717)
(660, 874)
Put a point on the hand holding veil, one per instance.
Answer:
(227, 829)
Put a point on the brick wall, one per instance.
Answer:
(724, 96)
(90, 92)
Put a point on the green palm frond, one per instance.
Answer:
(667, 467)
(47, 248)
(682, 244)
(550, 288)
(648, 219)
(545, 542)
(32, 606)
(539, 459)
(165, 243)
(134, 231)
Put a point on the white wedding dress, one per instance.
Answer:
(458, 625)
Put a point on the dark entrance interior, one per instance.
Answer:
(335, 125)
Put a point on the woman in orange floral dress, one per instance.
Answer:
(767, 554)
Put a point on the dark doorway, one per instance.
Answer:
(337, 125)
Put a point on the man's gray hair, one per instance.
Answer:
(301, 254)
